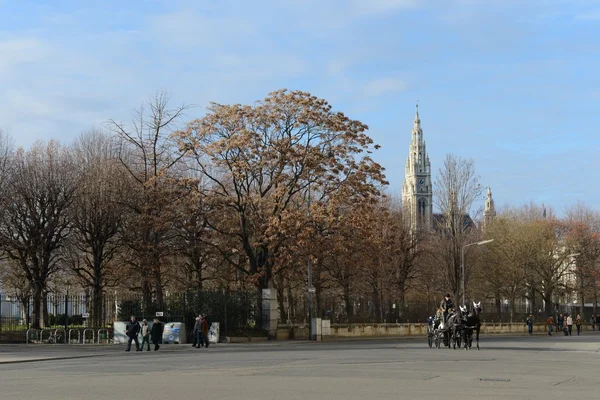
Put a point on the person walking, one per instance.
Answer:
(204, 330)
(198, 330)
(156, 333)
(578, 324)
(132, 330)
(560, 323)
(195, 332)
(550, 323)
(569, 324)
(593, 322)
(145, 335)
(529, 322)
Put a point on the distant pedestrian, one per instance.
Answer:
(598, 321)
(560, 323)
(156, 333)
(593, 322)
(198, 330)
(570, 324)
(195, 332)
(578, 324)
(529, 322)
(132, 330)
(145, 335)
(550, 323)
(204, 330)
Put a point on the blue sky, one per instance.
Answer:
(512, 84)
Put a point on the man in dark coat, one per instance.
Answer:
(132, 330)
(156, 333)
(204, 330)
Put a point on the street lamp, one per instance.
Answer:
(311, 290)
(462, 261)
(580, 279)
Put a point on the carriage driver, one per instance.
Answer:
(445, 306)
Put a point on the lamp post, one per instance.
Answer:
(462, 262)
(573, 255)
(67, 285)
(309, 281)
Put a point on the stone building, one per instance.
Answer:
(417, 189)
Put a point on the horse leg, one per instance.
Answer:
(477, 336)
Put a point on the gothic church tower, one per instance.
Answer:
(417, 191)
(489, 212)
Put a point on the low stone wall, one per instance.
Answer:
(300, 332)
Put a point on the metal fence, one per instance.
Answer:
(234, 311)
(238, 313)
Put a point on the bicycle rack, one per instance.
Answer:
(64, 333)
(41, 334)
(32, 335)
(85, 331)
(100, 331)
(78, 335)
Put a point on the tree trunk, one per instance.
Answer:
(377, 304)
(348, 301)
(291, 302)
(548, 304)
(97, 300)
(158, 288)
(146, 295)
(498, 301)
(283, 315)
(37, 321)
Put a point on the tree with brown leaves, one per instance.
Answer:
(260, 160)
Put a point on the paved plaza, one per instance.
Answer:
(538, 367)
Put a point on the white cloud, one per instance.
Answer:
(16, 52)
(380, 87)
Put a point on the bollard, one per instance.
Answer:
(102, 334)
(41, 334)
(64, 333)
(29, 334)
(84, 335)
(78, 335)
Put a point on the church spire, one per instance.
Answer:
(417, 119)
(417, 187)
(489, 212)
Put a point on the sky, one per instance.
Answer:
(512, 84)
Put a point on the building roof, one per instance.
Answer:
(438, 221)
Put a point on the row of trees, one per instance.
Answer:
(241, 199)
(540, 257)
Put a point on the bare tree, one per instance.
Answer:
(96, 216)
(35, 223)
(149, 156)
(456, 188)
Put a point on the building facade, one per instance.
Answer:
(417, 189)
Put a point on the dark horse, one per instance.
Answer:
(472, 324)
(455, 326)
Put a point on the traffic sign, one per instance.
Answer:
(159, 313)
(85, 315)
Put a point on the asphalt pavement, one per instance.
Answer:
(538, 367)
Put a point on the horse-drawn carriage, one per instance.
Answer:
(457, 329)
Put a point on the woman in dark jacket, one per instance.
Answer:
(156, 333)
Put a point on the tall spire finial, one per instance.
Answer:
(417, 120)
